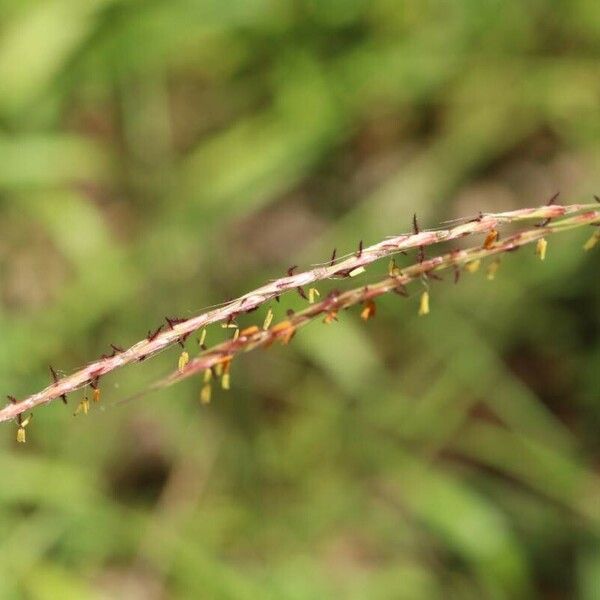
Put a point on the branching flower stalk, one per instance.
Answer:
(219, 358)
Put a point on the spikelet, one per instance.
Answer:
(21, 435)
(490, 239)
(424, 304)
(184, 359)
(312, 294)
(540, 248)
(202, 338)
(207, 375)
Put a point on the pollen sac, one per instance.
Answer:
(592, 241)
(473, 266)
(330, 317)
(236, 334)
(225, 381)
(268, 320)
(184, 359)
(540, 248)
(493, 269)
(312, 294)
(96, 395)
(202, 337)
(83, 406)
(21, 435)
(356, 271)
(207, 375)
(393, 270)
(424, 304)
(206, 393)
(368, 310)
(490, 239)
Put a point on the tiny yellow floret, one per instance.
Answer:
(83, 406)
(540, 248)
(424, 304)
(207, 375)
(96, 395)
(202, 337)
(205, 393)
(268, 320)
(184, 359)
(368, 311)
(225, 381)
(312, 293)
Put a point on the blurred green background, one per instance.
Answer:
(160, 156)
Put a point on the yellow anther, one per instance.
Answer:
(96, 395)
(356, 271)
(268, 319)
(330, 317)
(207, 375)
(540, 248)
(236, 334)
(202, 337)
(205, 393)
(490, 238)
(473, 265)
(592, 241)
(21, 436)
(83, 406)
(312, 293)
(225, 381)
(493, 269)
(424, 304)
(368, 311)
(393, 270)
(184, 359)
(229, 325)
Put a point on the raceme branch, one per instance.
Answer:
(177, 330)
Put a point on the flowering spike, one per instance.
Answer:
(493, 269)
(368, 311)
(473, 265)
(540, 248)
(268, 320)
(592, 241)
(312, 292)
(424, 304)
(184, 359)
(490, 239)
(205, 393)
